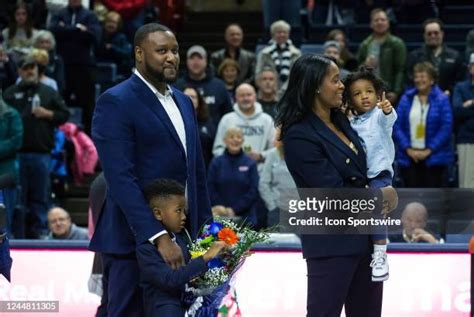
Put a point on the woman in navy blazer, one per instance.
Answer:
(322, 151)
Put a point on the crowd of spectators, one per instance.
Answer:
(48, 63)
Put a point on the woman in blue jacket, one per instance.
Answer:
(233, 179)
(423, 131)
(323, 151)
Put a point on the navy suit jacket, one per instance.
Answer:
(161, 284)
(138, 143)
(317, 158)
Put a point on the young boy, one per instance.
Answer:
(163, 286)
(373, 121)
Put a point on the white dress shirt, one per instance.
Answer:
(172, 110)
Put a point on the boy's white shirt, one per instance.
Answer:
(374, 128)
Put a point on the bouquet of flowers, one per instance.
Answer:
(210, 289)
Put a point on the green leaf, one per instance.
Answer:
(224, 310)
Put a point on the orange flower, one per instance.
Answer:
(228, 236)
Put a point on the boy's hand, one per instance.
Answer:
(385, 104)
(170, 251)
(219, 210)
(215, 249)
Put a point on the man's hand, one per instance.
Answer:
(42, 113)
(385, 104)
(214, 250)
(422, 235)
(170, 251)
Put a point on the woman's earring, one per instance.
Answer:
(317, 92)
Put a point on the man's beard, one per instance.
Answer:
(29, 81)
(159, 76)
(433, 45)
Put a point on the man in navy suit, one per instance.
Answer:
(144, 129)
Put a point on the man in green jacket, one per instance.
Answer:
(384, 53)
(11, 139)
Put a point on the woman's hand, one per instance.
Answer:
(413, 154)
(390, 199)
(423, 154)
(418, 155)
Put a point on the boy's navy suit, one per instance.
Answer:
(163, 287)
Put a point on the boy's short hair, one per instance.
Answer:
(162, 188)
(362, 73)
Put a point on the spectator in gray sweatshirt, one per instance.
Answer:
(257, 126)
(274, 179)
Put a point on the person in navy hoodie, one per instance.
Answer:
(163, 287)
(463, 102)
(115, 47)
(423, 131)
(233, 179)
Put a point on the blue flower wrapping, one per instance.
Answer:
(211, 303)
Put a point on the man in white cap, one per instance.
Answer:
(463, 103)
(211, 88)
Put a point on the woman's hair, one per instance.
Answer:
(365, 74)
(42, 35)
(306, 76)
(226, 63)
(279, 25)
(12, 27)
(202, 110)
(426, 67)
(41, 58)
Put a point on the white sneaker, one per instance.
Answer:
(379, 266)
